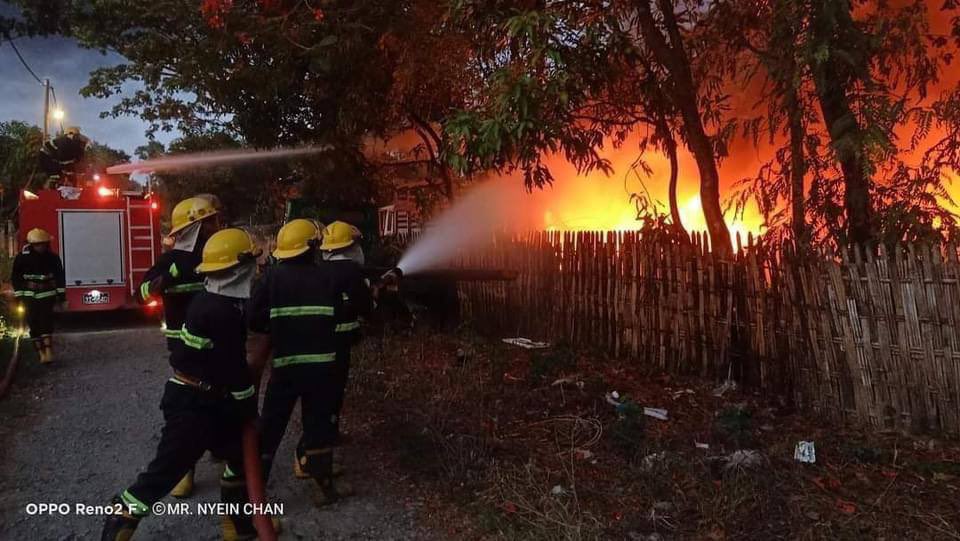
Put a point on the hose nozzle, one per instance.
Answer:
(392, 277)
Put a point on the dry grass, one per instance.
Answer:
(515, 446)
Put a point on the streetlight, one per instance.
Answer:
(58, 114)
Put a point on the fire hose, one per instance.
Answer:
(255, 486)
(11, 367)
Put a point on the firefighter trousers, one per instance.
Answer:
(39, 316)
(195, 421)
(319, 387)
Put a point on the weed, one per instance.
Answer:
(734, 423)
(552, 362)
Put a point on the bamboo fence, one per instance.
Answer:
(870, 338)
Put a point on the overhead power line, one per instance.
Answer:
(22, 61)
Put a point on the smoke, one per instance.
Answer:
(467, 224)
(212, 159)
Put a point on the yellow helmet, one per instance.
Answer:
(37, 236)
(190, 211)
(226, 249)
(337, 235)
(296, 238)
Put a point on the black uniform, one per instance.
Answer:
(175, 279)
(38, 281)
(205, 405)
(356, 302)
(299, 303)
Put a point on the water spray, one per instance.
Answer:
(213, 159)
(470, 222)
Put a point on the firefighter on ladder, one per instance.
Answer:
(210, 396)
(295, 309)
(174, 277)
(38, 282)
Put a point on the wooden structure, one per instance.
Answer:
(870, 338)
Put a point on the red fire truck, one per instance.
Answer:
(107, 239)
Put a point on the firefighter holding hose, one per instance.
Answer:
(297, 308)
(211, 395)
(174, 277)
(39, 283)
(343, 257)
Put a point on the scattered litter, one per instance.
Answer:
(701, 445)
(805, 452)
(766, 428)
(742, 460)
(628, 406)
(526, 343)
(651, 461)
(728, 385)
(656, 413)
(558, 490)
(564, 381)
(678, 394)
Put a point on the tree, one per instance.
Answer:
(564, 76)
(274, 72)
(852, 96)
(19, 156)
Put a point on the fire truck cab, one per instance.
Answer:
(106, 238)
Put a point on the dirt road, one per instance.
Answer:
(79, 431)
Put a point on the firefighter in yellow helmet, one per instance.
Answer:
(175, 280)
(211, 394)
(297, 306)
(38, 283)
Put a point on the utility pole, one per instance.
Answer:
(46, 107)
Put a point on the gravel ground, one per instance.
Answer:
(80, 430)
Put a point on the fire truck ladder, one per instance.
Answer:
(142, 238)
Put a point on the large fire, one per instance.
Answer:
(594, 201)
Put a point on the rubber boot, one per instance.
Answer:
(41, 351)
(235, 527)
(119, 527)
(184, 488)
(319, 464)
(299, 473)
(48, 347)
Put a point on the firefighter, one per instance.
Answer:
(62, 155)
(211, 394)
(342, 253)
(175, 280)
(297, 304)
(38, 281)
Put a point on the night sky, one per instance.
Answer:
(67, 65)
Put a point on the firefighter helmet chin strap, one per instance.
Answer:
(236, 282)
(186, 239)
(351, 253)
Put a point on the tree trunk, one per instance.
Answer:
(670, 145)
(683, 92)
(831, 80)
(847, 141)
(798, 167)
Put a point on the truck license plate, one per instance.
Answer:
(96, 297)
